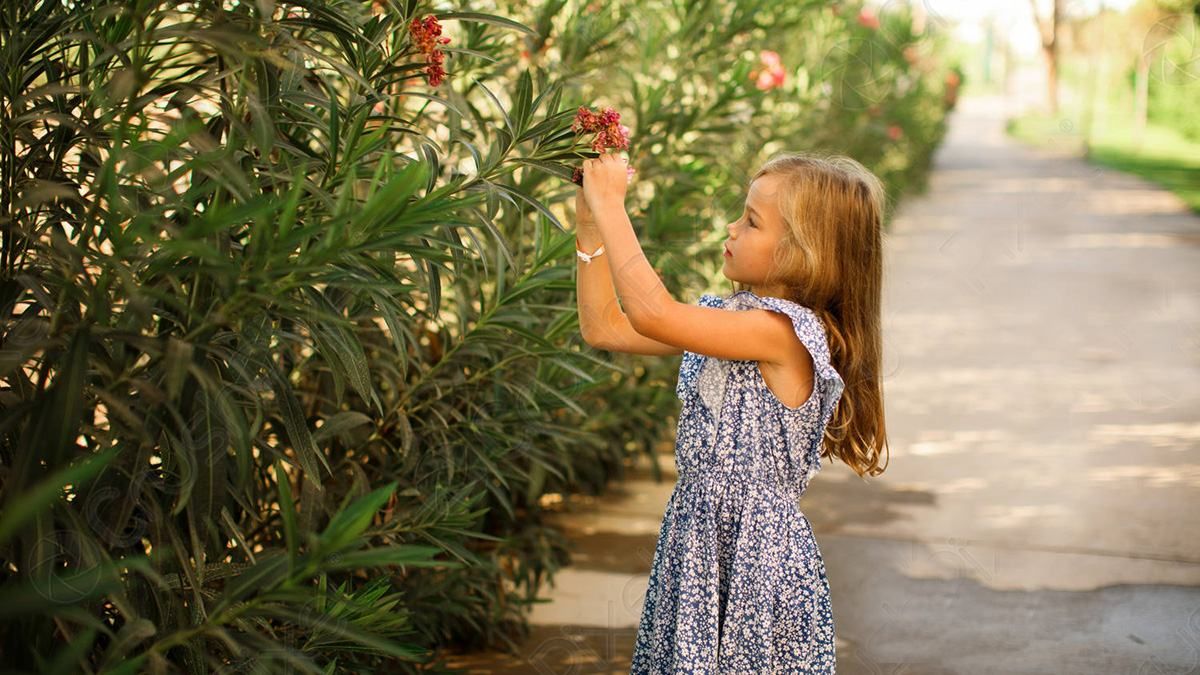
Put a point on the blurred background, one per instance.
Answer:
(1115, 80)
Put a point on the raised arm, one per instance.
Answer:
(755, 334)
(601, 319)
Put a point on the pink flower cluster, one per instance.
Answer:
(772, 75)
(868, 19)
(610, 134)
(426, 34)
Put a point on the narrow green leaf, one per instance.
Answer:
(292, 413)
(403, 555)
(392, 199)
(68, 659)
(339, 423)
(486, 18)
(353, 520)
(21, 508)
(507, 131)
(532, 202)
(287, 511)
(522, 103)
(346, 631)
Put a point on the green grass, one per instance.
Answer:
(1163, 156)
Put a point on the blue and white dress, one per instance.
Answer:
(738, 584)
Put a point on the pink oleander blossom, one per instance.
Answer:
(426, 34)
(610, 134)
(772, 74)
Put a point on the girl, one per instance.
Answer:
(738, 584)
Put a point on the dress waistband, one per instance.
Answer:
(724, 482)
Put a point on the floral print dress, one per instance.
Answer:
(738, 584)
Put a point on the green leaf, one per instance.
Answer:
(267, 574)
(60, 592)
(292, 413)
(66, 662)
(353, 520)
(403, 555)
(339, 423)
(522, 103)
(532, 202)
(390, 202)
(486, 18)
(507, 132)
(287, 512)
(129, 636)
(22, 508)
(345, 630)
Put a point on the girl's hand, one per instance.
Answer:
(604, 181)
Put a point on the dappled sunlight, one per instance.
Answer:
(1169, 435)
(1003, 568)
(961, 485)
(1110, 202)
(1035, 184)
(630, 523)
(1158, 475)
(1119, 240)
(924, 224)
(1021, 516)
(971, 390)
(1092, 402)
(592, 598)
(965, 440)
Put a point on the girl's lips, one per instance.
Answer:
(728, 254)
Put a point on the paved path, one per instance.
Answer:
(1041, 512)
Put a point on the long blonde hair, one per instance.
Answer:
(831, 261)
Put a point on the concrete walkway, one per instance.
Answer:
(1041, 511)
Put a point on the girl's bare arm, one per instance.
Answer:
(602, 322)
(750, 335)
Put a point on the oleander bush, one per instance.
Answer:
(291, 371)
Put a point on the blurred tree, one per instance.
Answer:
(1151, 23)
(1048, 28)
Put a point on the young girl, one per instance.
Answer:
(738, 584)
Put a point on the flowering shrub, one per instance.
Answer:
(610, 134)
(426, 34)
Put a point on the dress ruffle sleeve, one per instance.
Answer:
(828, 382)
(691, 364)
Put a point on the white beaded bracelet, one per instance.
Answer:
(588, 258)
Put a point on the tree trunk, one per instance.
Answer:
(1140, 99)
(1049, 33)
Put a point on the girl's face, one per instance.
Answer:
(754, 236)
